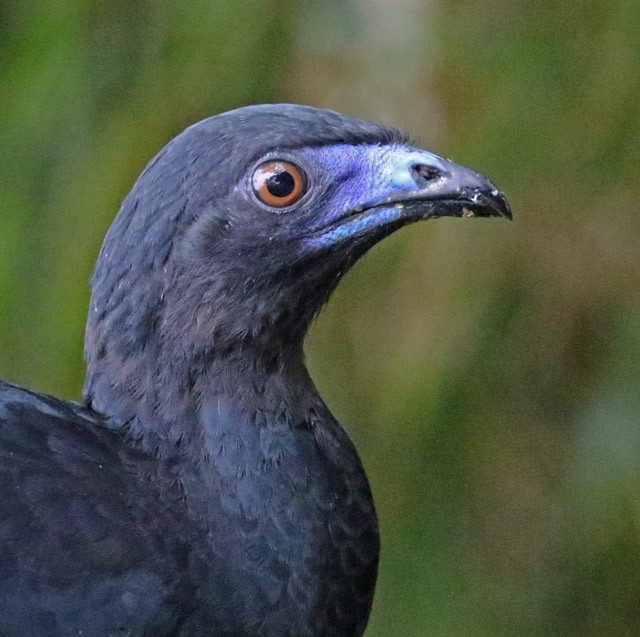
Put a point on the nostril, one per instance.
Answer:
(423, 174)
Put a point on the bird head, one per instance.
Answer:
(239, 229)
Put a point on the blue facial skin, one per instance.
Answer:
(359, 193)
(348, 179)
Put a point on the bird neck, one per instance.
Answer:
(161, 399)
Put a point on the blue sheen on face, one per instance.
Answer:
(359, 177)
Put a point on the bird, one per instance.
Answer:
(202, 487)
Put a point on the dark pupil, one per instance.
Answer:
(281, 184)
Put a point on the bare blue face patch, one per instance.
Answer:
(363, 178)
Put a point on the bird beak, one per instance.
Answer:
(412, 184)
(451, 191)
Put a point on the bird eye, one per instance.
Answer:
(279, 183)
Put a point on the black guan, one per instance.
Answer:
(203, 488)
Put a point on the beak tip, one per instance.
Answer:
(505, 209)
(487, 203)
(479, 196)
(496, 202)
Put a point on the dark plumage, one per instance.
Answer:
(205, 489)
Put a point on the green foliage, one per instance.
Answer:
(488, 371)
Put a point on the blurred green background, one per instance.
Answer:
(489, 372)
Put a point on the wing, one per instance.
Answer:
(87, 541)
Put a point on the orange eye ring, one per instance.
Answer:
(279, 183)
